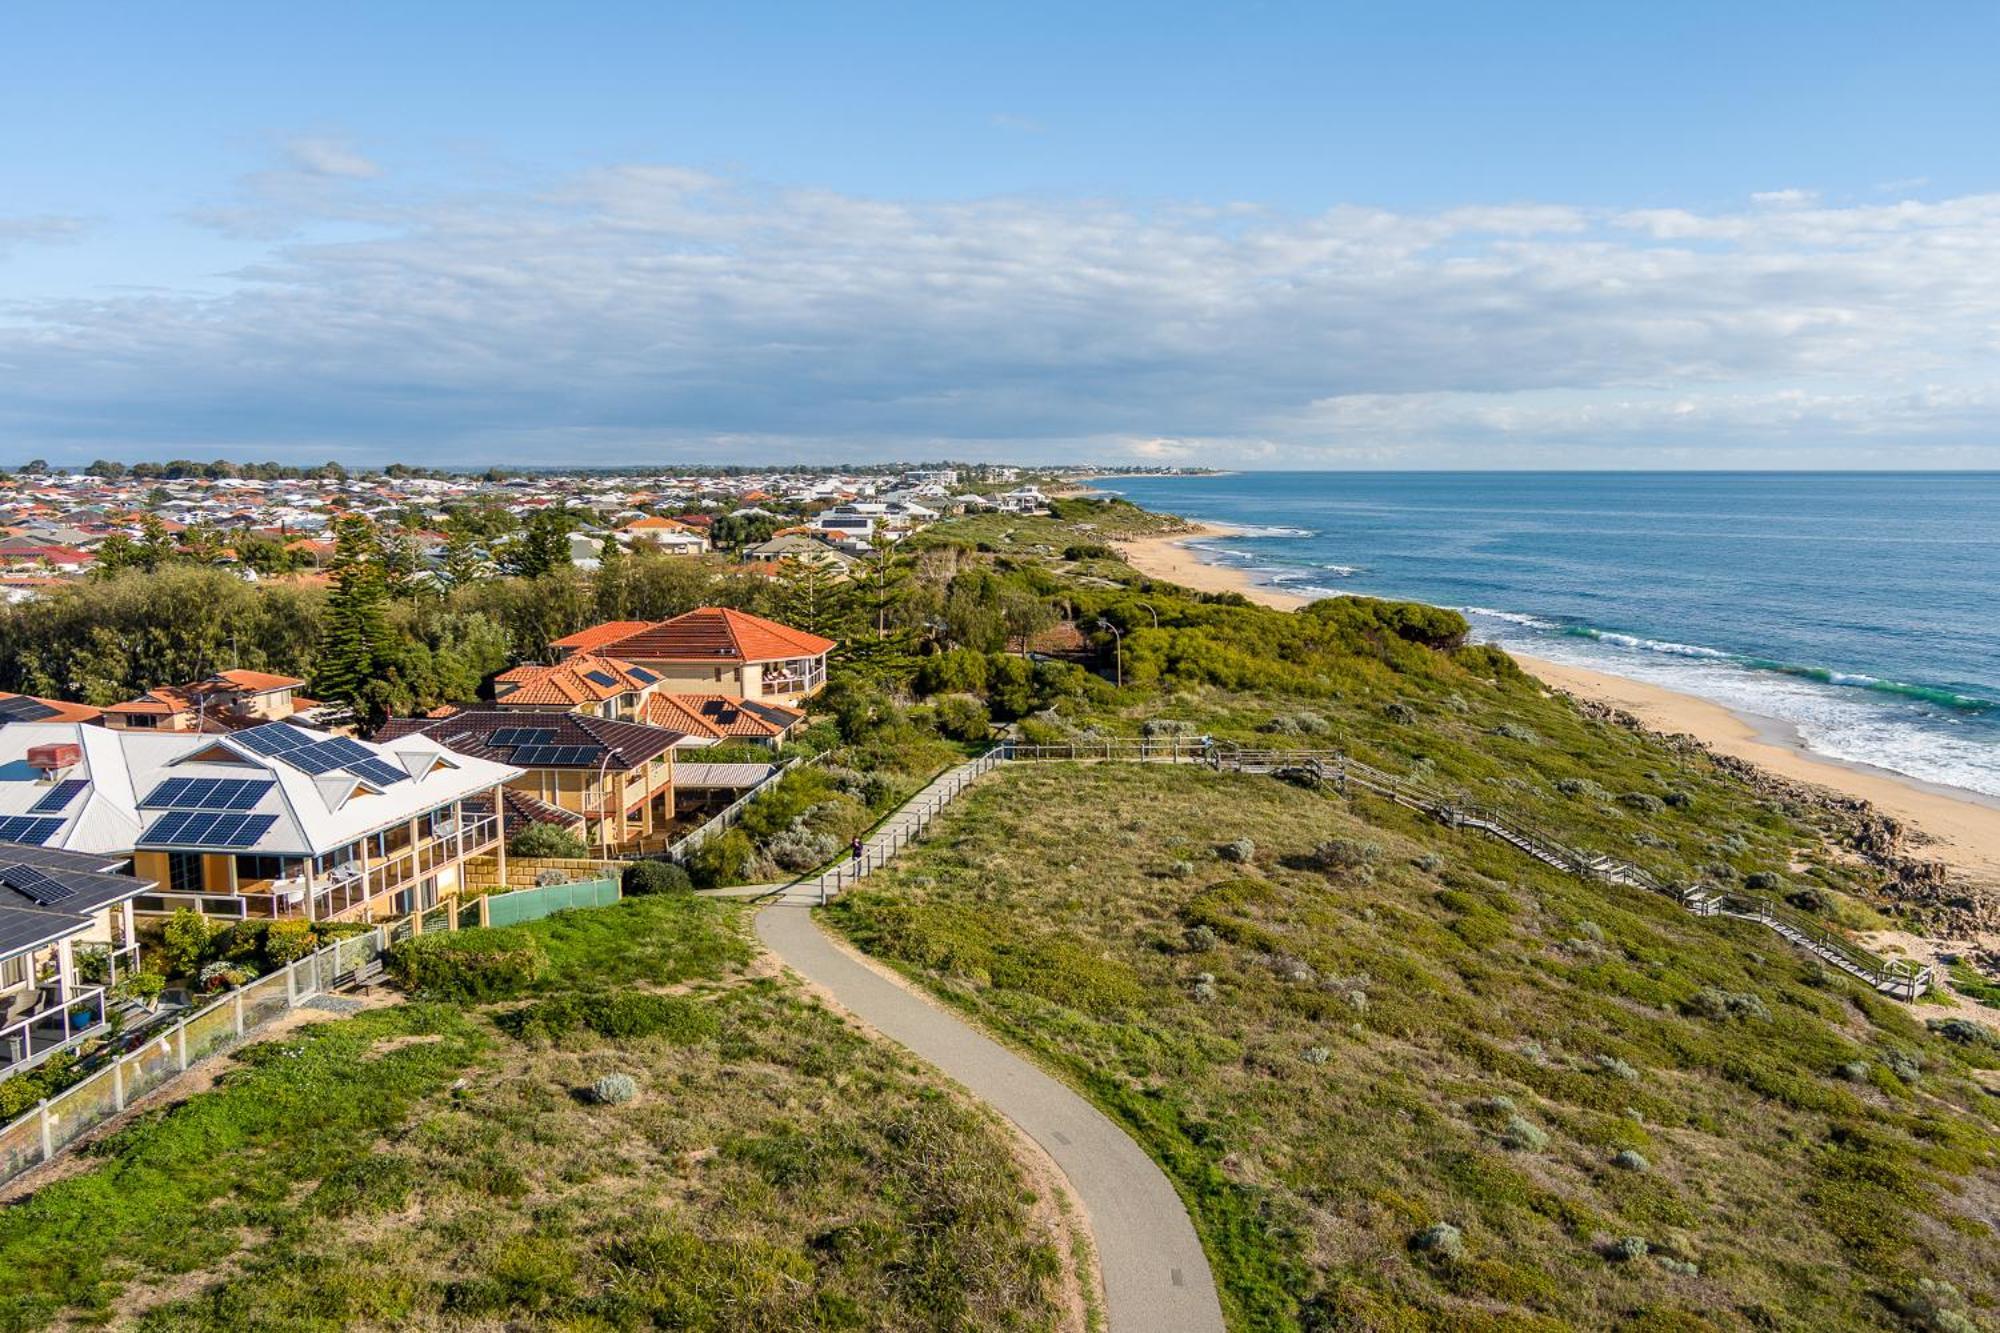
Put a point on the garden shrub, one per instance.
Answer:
(548, 840)
(288, 941)
(483, 963)
(728, 858)
(644, 878)
(958, 671)
(614, 1089)
(184, 942)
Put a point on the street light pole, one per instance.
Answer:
(1118, 639)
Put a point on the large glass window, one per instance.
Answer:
(184, 872)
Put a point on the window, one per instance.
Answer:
(14, 972)
(265, 867)
(184, 872)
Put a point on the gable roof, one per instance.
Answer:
(32, 708)
(588, 640)
(577, 740)
(712, 634)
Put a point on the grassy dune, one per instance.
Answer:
(1626, 1115)
(435, 1165)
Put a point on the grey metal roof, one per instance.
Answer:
(46, 894)
(691, 776)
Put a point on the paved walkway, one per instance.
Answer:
(1156, 1278)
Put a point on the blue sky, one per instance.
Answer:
(1316, 235)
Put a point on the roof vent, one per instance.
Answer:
(53, 759)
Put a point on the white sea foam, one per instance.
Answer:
(1511, 617)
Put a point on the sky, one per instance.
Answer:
(1419, 235)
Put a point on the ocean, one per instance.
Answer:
(1856, 609)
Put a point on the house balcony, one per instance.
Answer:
(38, 1021)
(794, 679)
(349, 890)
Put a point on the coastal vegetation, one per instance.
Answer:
(605, 1119)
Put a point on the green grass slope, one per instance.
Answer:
(1407, 1078)
(437, 1165)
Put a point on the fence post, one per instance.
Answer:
(239, 1013)
(291, 984)
(48, 1135)
(118, 1083)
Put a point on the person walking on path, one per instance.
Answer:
(857, 848)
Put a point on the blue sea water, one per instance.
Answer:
(1856, 608)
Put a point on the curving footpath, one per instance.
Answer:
(1156, 1278)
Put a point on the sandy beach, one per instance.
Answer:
(1961, 829)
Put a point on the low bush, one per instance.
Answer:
(549, 840)
(620, 1015)
(484, 963)
(963, 717)
(614, 1089)
(643, 878)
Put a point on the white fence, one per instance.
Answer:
(66, 1117)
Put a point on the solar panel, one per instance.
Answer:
(378, 772)
(208, 828)
(522, 736)
(574, 754)
(37, 884)
(59, 796)
(22, 708)
(533, 754)
(642, 675)
(604, 678)
(28, 829)
(207, 793)
(274, 738)
(316, 759)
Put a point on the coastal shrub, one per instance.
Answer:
(1678, 799)
(1630, 1159)
(1810, 899)
(644, 878)
(1935, 1307)
(1440, 1240)
(548, 840)
(1242, 851)
(1583, 787)
(1617, 1068)
(1166, 728)
(620, 1015)
(955, 671)
(799, 848)
(963, 717)
(614, 1089)
(1963, 1031)
(483, 963)
(1763, 881)
(728, 858)
(1399, 713)
(1644, 802)
(1714, 1002)
(1854, 1071)
(1199, 939)
(1627, 1248)
(1514, 731)
(1520, 1134)
(1088, 551)
(288, 941)
(1344, 855)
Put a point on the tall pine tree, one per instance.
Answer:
(356, 642)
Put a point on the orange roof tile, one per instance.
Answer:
(720, 717)
(715, 634)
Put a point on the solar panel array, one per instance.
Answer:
(208, 793)
(208, 828)
(21, 708)
(314, 754)
(29, 829)
(522, 736)
(553, 755)
(58, 797)
(43, 887)
(377, 771)
(642, 675)
(604, 678)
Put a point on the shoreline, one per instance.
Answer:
(1959, 828)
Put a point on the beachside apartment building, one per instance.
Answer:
(269, 821)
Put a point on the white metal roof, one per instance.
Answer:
(313, 814)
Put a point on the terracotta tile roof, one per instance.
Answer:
(586, 640)
(715, 634)
(578, 679)
(579, 740)
(257, 682)
(518, 810)
(34, 708)
(720, 717)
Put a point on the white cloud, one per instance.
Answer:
(639, 309)
(40, 229)
(318, 156)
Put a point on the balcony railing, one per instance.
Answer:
(56, 1022)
